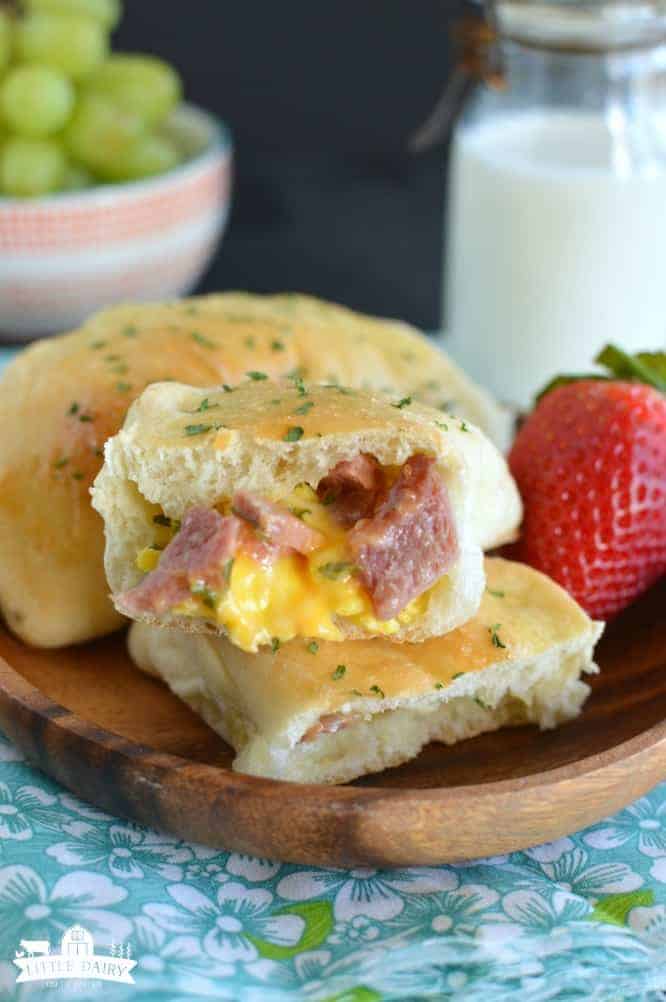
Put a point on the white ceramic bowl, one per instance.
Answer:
(65, 256)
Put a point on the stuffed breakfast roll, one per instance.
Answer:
(327, 713)
(277, 510)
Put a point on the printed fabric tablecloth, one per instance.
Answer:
(581, 918)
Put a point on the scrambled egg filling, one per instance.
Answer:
(295, 596)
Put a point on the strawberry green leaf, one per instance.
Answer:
(564, 380)
(645, 367)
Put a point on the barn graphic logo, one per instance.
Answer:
(76, 959)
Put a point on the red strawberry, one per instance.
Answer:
(590, 462)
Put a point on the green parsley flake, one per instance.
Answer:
(336, 570)
(479, 702)
(458, 674)
(293, 434)
(340, 389)
(439, 685)
(464, 426)
(77, 475)
(95, 345)
(257, 377)
(377, 691)
(405, 402)
(494, 635)
(204, 341)
(59, 463)
(130, 331)
(339, 672)
(190, 430)
(228, 568)
(205, 405)
(73, 408)
(313, 647)
(275, 644)
(356, 692)
(297, 379)
(497, 593)
(250, 343)
(442, 424)
(277, 345)
(86, 418)
(201, 590)
(304, 408)
(123, 387)
(227, 389)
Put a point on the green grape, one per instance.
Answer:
(6, 38)
(31, 167)
(99, 133)
(107, 12)
(76, 178)
(36, 100)
(142, 84)
(73, 45)
(149, 155)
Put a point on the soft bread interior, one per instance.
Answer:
(520, 660)
(154, 465)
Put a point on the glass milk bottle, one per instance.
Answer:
(557, 200)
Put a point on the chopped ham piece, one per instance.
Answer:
(352, 488)
(330, 723)
(409, 542)
(279, 527)
(198, 553)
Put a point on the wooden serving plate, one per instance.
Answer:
(122, 741)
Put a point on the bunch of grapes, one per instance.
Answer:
(71, 114)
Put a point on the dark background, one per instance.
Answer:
(321, 98)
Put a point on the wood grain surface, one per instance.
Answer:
(122, 741)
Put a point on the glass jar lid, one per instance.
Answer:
(582, 25)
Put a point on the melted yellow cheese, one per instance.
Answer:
(296, 595)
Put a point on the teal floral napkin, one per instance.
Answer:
(582, 918)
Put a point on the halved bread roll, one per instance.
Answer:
(327, 713)
(301, 510)
(62, 398)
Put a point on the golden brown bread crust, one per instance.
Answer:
(518, 660)
(61, 399)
